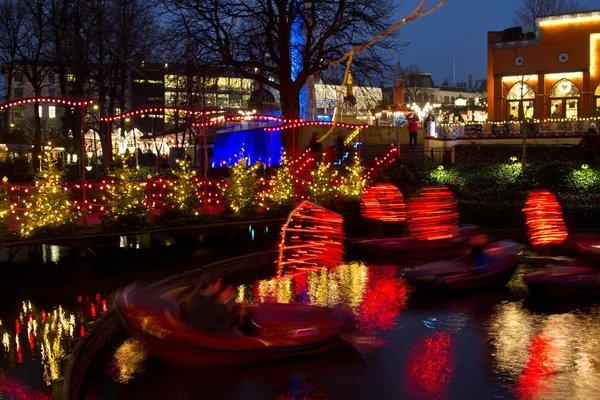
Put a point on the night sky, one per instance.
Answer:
(459, 29)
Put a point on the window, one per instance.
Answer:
(18, 112)
(564, 100)
(41, 111)
(70, 78)
(18, 93)
(117, 110)
(52, 78)
(52, 92)
(597, 94)
(51, 112)
(18, 76)
(520, 99)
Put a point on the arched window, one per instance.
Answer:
(522, 95)
(597, 107)
(564, 100)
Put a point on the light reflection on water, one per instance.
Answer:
(36, 341)
(548, 356)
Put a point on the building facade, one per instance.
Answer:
(553, 73)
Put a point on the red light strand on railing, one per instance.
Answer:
(300, 124)
(53, 100)
(153, 110)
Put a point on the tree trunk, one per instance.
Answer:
(290, 107)
(37, 136)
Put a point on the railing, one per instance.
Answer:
(550, 129)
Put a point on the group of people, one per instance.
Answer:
(332, 153)
(211, 307)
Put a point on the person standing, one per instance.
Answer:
(590, 144)
(413, 129)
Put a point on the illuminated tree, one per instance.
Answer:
(323, 187)
(185, 195)
(354, 181)
(240, 188)
(282, 190)
(5, 206)
(48, 207)
(127, 200)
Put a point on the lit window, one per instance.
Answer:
(70, 78)
(117, 110)
(51, 112)
(40, 109)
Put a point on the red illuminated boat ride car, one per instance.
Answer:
(570, 280)
(413, 248)
(279, 330)
(464, 274)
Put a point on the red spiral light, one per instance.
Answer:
(311, 239)
(433, 214)
(383, 202)
(544, 219)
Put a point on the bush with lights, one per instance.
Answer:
(241, 188)
(127, 201)
(281, 192)
(354, 180)
(184, 197)
(5, 205)
(324, 186)
(48, 207)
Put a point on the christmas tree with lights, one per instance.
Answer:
(127, 200)
(184, 196)
(48, 207)
(241, 186)
(282, 192)
(5, 205)
(324, 186)
(354, 181)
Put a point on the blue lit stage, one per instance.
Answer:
(256, 144)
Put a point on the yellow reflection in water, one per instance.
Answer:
(345, 284)
(550, 356)
(129, 359)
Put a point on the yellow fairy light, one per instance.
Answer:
(579, 18)
(594, 39)
(354, 181)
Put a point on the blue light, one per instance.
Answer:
(324, 117)
(256, 143)
(429, 322)
(297, 42)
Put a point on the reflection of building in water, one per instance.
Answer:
(549, 356)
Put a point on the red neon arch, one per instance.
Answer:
(149, 110)
(53, 100)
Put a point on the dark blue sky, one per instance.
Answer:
(458, 29)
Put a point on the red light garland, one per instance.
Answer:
(544, 218)
(300, 124)
(433, 214)
(387, 160)
(383, 202)
(240, 118)
(54, 100)
(152, 110)
(311, 239)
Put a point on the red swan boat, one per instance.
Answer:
(280, 330)
(571, 280)
(463, 274)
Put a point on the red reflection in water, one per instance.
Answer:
(104, 307)
(93, 310)
(429, 367)
(17, 326)
(31, 341)
(82, 331)
(383, 300)
(18, 391)
(538, 368)
(44, 316)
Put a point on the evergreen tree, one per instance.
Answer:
(49, 206)
(282, 190)
(240, 188)
(5, 206)
(185, 194)
(127, 200)
(324, 186)
(354, 181)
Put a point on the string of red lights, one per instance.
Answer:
(317, 123)
(154, 110)
(53, 100)
(236, 118)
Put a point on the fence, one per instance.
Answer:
(514, 129)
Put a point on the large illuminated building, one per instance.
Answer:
(552, 73)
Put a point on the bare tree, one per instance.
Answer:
(417, 85)
(35, 52)
(527, 12)
(11, 20)
(281, 43)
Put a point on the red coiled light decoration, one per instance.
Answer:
(544, 219)
(311, 239)
(383, 202)
(433, 214)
